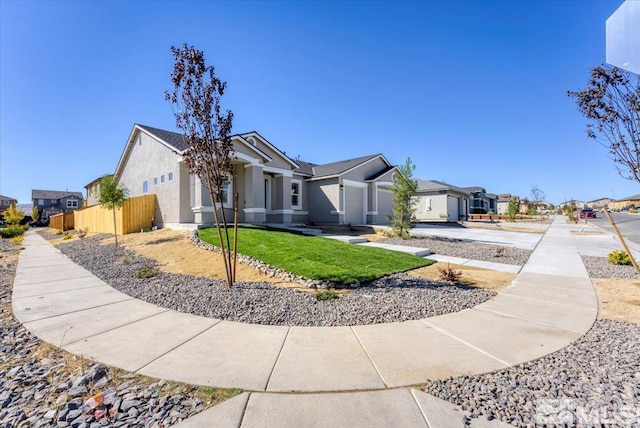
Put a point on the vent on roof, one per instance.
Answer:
(252, 141)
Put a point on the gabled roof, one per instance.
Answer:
(435, 186)
(631, 198)
(54, 194)
(177, 141)
(474, 189)
(335, 169)
(96, 180)
(600, 200)
(7, 197)
(381, 173)
(304, 168)
(504, 197)
(491, 195)
(271, 146)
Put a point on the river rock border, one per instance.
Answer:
(270, 271)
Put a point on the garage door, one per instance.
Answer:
(354, 205)
(452, 208)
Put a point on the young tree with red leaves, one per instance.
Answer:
(210, 155)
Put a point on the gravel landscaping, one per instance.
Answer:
(42, 386)
(466, 249)
(593, 382)
(599, 267)
(394, 298)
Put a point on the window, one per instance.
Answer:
(54, 201)
(5, 202)
(40, 201)
(224, 192)
(155, 181)
(171, 176)
(162, 178)
(296, 195)
(145, 187)
(72, 203)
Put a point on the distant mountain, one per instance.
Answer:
(25, 208)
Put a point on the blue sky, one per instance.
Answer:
(473, 91)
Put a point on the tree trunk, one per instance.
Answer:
(115, 230)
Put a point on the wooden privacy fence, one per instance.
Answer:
(63, 221)
(136, 214)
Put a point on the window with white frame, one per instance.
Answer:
(225, 191)
(145, 187)
(171, 176)
(40, 201)
(72, 203)
(296, 194)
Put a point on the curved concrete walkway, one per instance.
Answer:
(550, 304)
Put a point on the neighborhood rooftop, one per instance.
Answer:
(54, 194)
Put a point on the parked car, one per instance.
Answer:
(40, 223)
(587, 213)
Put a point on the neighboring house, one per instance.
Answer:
(481, 201)
(438, 201)
(272, 187)
(502, 202)
(599, 203)
(526, 205)
(492, 198)
(6, 202)
(628, 202)
(93, 191)
(51, 202)
(575, 203)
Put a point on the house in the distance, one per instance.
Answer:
(6, 202)
(599, 203)
(502, 202)
(481, 201)
(437, 201)
(625, 203)
(51, 202)
(93, 191)
(272, 187)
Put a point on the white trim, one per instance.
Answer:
(336, 212)
(254, 210)
(380, 156)
(278, 171)
(267, 192)
(372, 212)
(384, 183)
(354, 183)
(271, 146)
(299, 212)
(250, 147)
(202, 209)
(245, 157)
(281, 212)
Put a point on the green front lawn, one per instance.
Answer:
(318, 258)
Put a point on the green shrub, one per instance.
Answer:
(326, 295)
(146, 272)
(619, 257)
(13, 230)
(67, 236)
(58, 232)
(17, 240)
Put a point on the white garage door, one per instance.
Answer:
(452, 208)
(354, 205)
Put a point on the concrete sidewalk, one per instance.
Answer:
(549, 305)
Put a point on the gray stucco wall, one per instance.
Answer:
(365, 171)
(149, 159)
(324, 197)
(431, 207)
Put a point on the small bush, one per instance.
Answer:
(632, 210)
(67, 236)
(58, 232)
(499, 252)
(146, 272)
(619, 257)
(124, 260)
(326, 295)
(17, 240)
(13, 230)
(450, 275)
(83, 232)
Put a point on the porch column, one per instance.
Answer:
(196, 199)
(283, 199)
(254, 208)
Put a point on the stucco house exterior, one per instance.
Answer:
(6, 202)
(481, 201)
(93, 191)
(502, 202)
(272, 187)
(50, 202)
(599, 203)
(438, 201)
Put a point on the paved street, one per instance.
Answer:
(628, 224)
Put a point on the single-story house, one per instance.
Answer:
(438, 201)
(578, 205)
(51, 202)
(272, 187)
(632, 201)
(599, 203)
(6, 202)
(502, 202)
